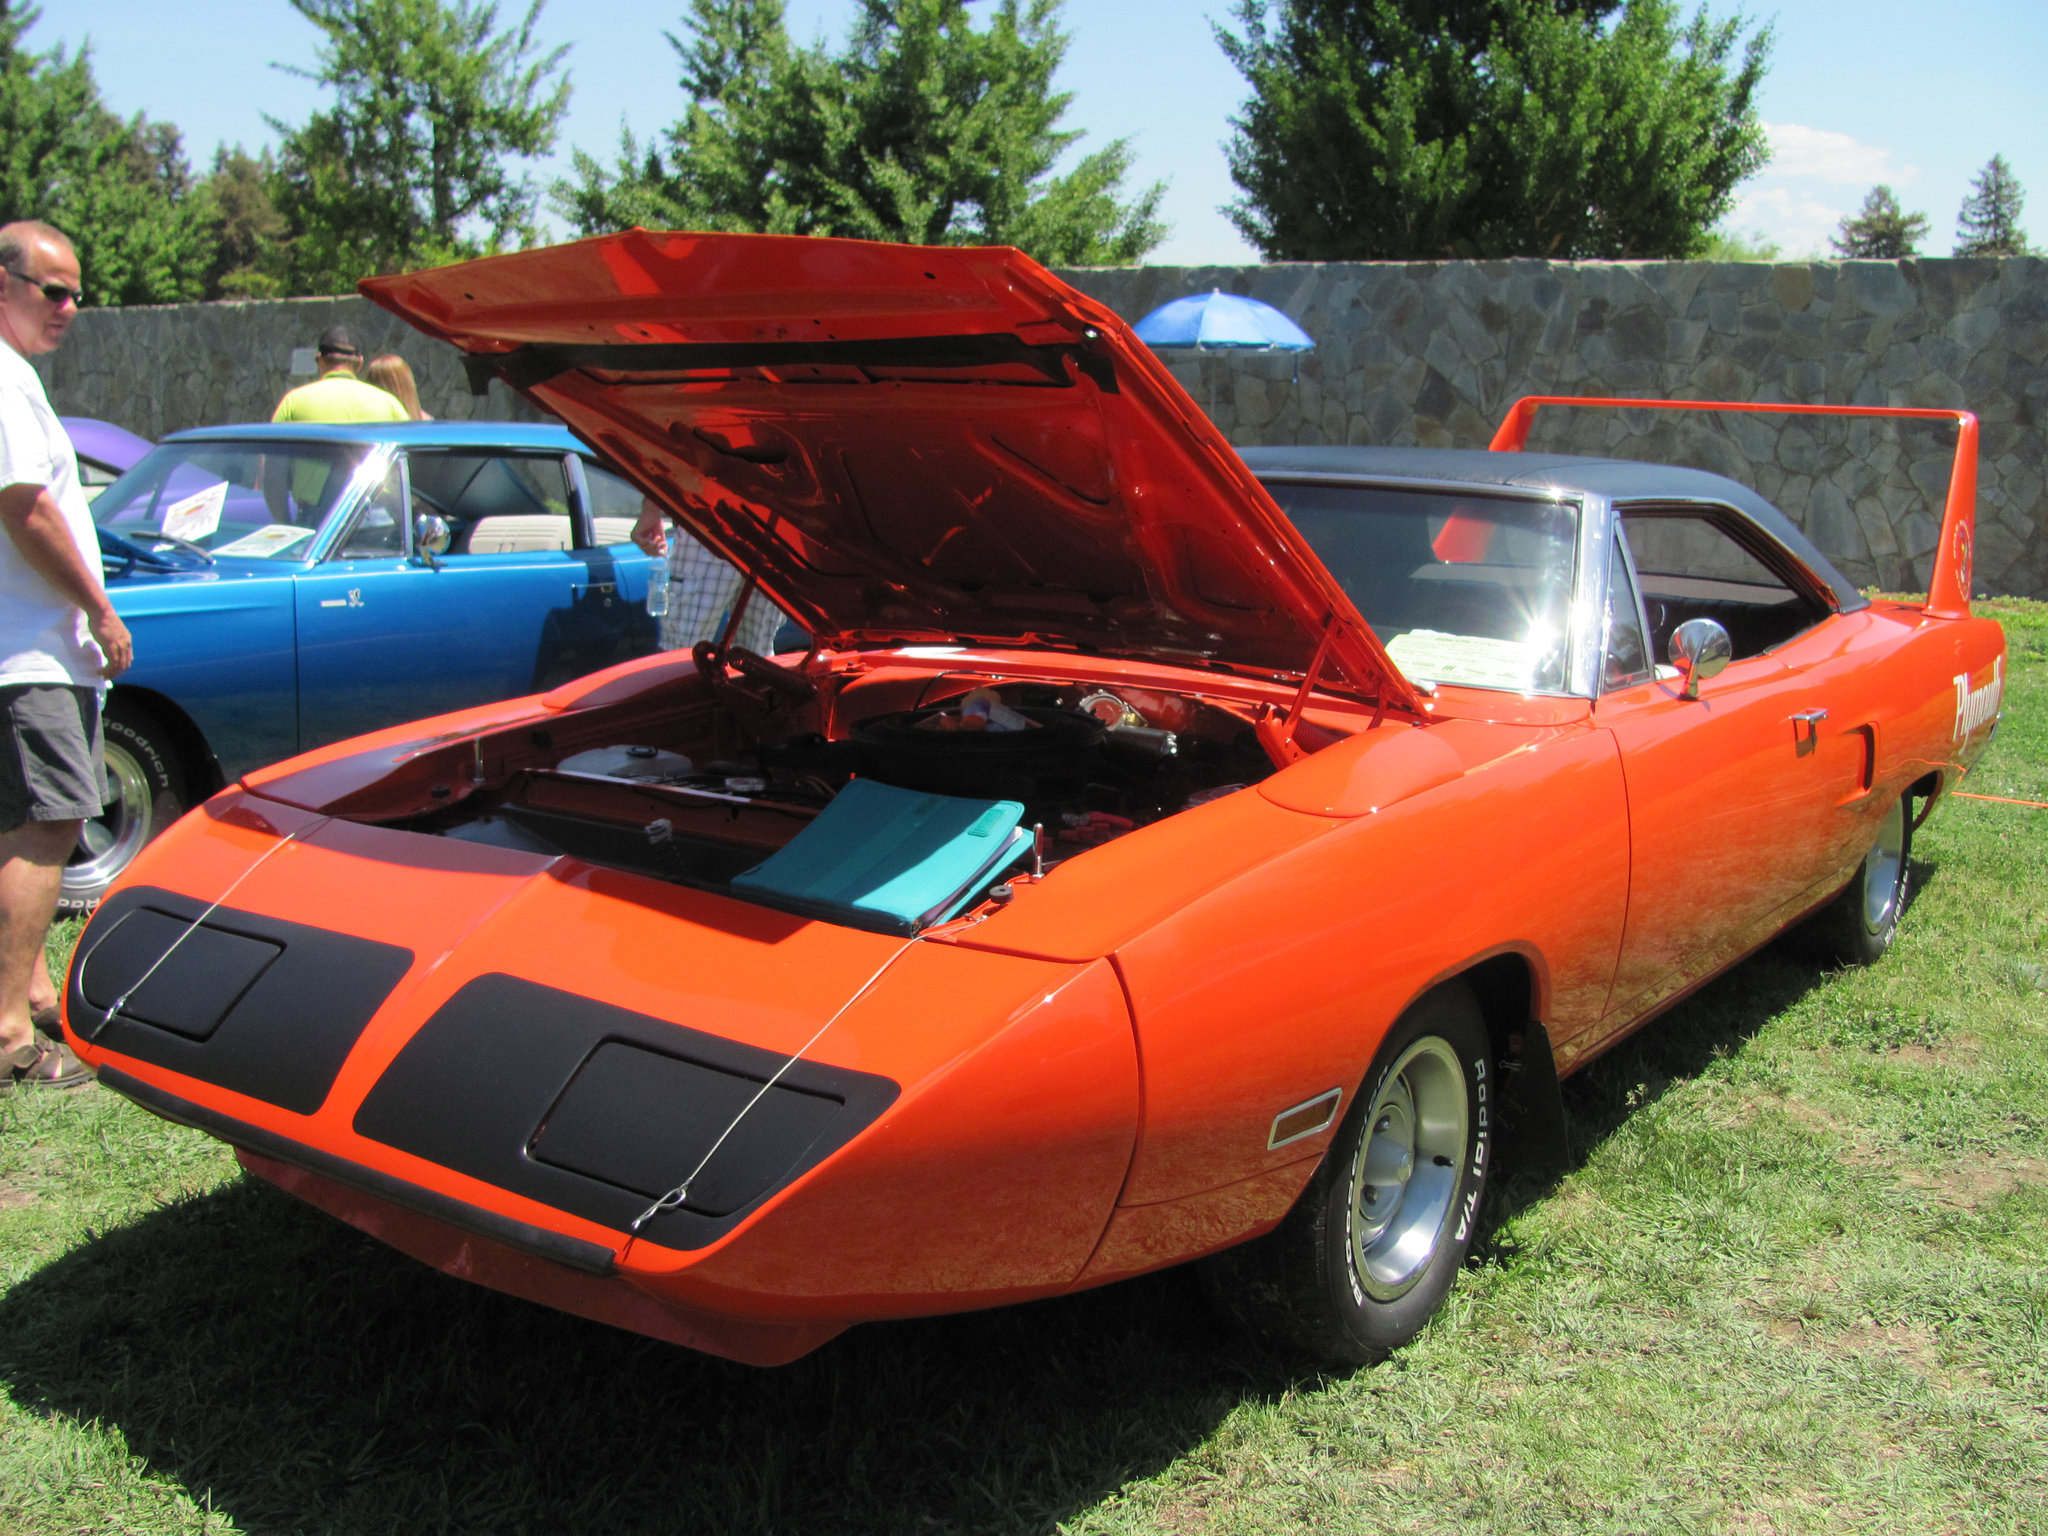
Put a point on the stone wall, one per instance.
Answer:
(1432, 354)
(161, 368)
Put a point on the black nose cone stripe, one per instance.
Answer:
(249, 1003)
(598, 1110)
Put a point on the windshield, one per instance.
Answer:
(1460, 588)
(245, 500)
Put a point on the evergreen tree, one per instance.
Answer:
(1881, 230)
(1422, 129)
(249, 255)
(141, 234)
(49, 112)
(922, 128)
(1989, 223)
(409, 167)
(122, 190)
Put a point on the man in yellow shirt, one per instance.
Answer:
(337, 394)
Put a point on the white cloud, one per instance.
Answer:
(1815, 179)
(1798, 222)
(1824, 155)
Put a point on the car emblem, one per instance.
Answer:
(1976, 706)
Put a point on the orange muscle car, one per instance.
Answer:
(1160, 853)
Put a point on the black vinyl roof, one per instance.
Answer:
(1619, 480)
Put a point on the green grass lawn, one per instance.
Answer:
(1792, 1281)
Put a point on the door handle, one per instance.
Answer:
(1806, 730)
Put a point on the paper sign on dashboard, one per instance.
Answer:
(1480, 660)
(197, 515)
(267, 541)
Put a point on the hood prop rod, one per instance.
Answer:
(1276, 729)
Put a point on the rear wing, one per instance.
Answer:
(1948, 591)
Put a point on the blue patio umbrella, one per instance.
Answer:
(1217, 319)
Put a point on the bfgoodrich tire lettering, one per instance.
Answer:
(1370, 1250)
(145, 794)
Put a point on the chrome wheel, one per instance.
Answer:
(1406, 1172)
(108, 843)
(1859, 925)
(145, 794)
(1881, 870)
(1373, 1245)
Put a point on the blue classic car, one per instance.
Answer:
(288, 586)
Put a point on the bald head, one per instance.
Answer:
(39, 286)
(17, 238)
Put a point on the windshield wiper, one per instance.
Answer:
(112, 543)
(158, 536)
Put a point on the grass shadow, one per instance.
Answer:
(301, 1377)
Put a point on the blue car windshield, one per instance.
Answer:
(248, 501)
(1469, 589)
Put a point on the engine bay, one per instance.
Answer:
(702, 794)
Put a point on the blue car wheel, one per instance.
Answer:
(145, 794)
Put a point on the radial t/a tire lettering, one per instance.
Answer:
(1370, 1249)
(145, 794)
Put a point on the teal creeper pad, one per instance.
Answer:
(888, 858)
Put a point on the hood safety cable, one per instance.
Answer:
(675, 1198)
(1277, 730)
(120, 1003)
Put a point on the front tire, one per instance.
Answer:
(1370, 1250)
(145, 794)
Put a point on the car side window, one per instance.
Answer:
(494, 503)
(378, 532)
(1627, 653)
(1691, 566)
(614, 506)
(94, 476)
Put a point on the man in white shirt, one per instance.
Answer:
(59, 639)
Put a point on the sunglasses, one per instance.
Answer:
(56, 293)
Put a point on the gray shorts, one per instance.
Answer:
(53, 768)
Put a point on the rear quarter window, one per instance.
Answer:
(1697, 563)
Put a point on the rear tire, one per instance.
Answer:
(145, 793)
(1370, 1249)
(1859, 925)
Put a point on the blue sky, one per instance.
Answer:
(1861, 91)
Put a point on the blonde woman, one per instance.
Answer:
(390, 374)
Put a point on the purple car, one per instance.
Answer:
(105, 451)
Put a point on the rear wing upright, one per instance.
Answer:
(1948, 590)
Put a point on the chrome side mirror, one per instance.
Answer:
(1699, 649)
(431, 535)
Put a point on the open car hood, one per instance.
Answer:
(909, 444)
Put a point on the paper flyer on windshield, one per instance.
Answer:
(197, 515)
(1480, 660)
(265, 542)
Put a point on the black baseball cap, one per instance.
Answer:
(339, 341)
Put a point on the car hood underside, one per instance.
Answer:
(906, 443)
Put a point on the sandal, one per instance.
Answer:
(49, 1022)
(42, 1063)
